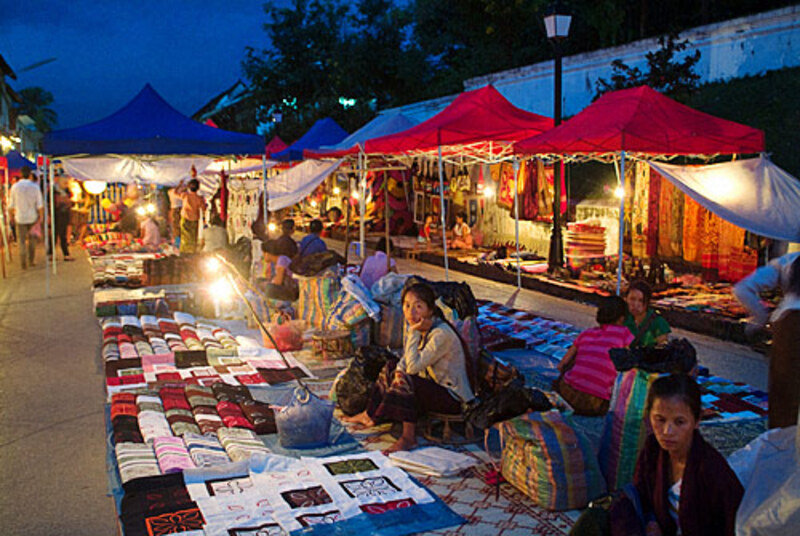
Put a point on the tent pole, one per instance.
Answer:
(516, 220)
(43, 176)
(621, 176)
(441, 207)
(6, 219)
(51, 176)
(386, 219)
(362, 204)
(347, 227)
(266, 194)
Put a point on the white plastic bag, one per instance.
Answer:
(768, 469)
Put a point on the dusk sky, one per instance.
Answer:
(107, 50)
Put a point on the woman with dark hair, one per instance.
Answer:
(462, 234)
(648, 327)
(587, 372)
(431, 375)
(683, 484)
(281, 285)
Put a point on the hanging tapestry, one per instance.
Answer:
(639, 209)
(692, 230)
(529, 198)
(709, 259)
(668, 245)
(731, 247)
(505, 195)
(654, 196)
(676, 229)
(545, 193)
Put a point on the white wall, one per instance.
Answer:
(731, 49)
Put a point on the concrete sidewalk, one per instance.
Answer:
(52, 431)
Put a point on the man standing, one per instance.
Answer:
(26, 208)
(193, 205)
(285, 242)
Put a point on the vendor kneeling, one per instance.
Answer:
(431, 375)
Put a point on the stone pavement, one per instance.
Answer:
(52, 430)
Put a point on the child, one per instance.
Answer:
(425, 231)
(587, 372)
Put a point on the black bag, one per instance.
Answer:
(512, 401)
(311, 265)
(678, 356)
(457, 296)
(354, 385)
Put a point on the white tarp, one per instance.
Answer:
(297, 183)
(124, 169)
(244, 166)
(754, 194)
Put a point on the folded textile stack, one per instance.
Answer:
(232, 415)
(432, 461)
(207, 419)
(584, 242)
(205, 450)
(240, 444)
(172, 454)
(136, 460)
(153, 424)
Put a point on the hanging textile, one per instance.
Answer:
(709, 258)
(505, 194)
(545, 193)
(639, 209)
(692, 230)
(243, 207)
(676, 230)
(528, 201)
(731, 246)
(654, 196)
(668, 226)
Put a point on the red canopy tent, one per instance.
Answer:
(275, 145)
(477, 122)
(641, 122)
(479, 125)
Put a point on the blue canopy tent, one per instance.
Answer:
(146, 141)
(16, 161)
(148, 125)
(324, 132)
(381, 125)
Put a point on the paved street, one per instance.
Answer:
(52, 444)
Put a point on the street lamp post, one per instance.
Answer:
(557, 22)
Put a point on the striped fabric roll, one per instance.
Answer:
(316, 298)
(625, 430)
(153, 424)
(240, 444)
(172, 454)
(136, 460)
(551, 462)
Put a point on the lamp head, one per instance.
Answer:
(556, 22)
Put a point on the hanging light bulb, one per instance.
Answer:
(272, 227)
(314, 203)
(355, 194)
(213, 264)
(619, 193)
(488, 191)
(95, 187)
(336, 190)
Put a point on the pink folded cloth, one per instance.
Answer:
(127, 351)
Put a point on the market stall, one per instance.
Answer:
(478, 127)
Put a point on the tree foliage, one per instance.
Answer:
(36, 103)
(665, 71)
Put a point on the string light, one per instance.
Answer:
(488, 191)
(272, 226)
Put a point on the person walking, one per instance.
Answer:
(63, 206)
(26, 209)
(784, 364)
(193, 205)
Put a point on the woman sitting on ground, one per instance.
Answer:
(684, 485)
(431, 375)
(648, 327)
(462, 234)
(282, 285)
(587, 372)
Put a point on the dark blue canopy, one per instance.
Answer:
(16, 161)
(149, 125)
(324, 132)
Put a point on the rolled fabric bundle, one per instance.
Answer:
(110, 350)
(112, 330)
(232, 393)
(184, 319)
(205, 450)
(138, 337)
(130, 320)
(199, 395)
(207, 419)
(136, 460)
(127, 351)
(153, 424)
(123, 408)
(232, 415)
(174, 398)
(126, 429)
(182, 421)
(260, 415)
(123, 397)
(167, 325)
(148, 321)
(172, 454)
(159, 346)
(144, 348)
(149, 403)
(240, 444)
(124, 337)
